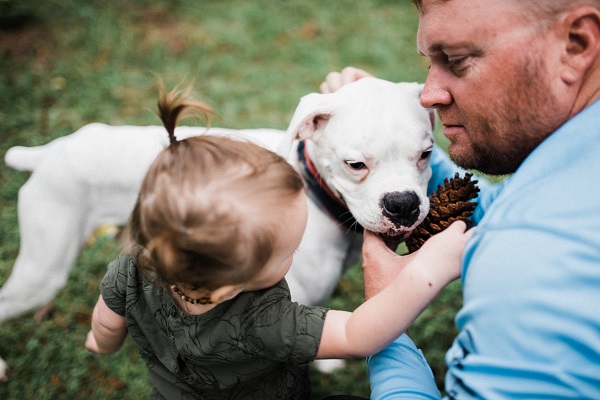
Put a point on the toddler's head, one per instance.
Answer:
(211, 209)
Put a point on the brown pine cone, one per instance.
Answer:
(450, 203)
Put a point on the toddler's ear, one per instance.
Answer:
(225, 293)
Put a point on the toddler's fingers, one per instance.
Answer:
(470, 232)
(458, 230)
(460, 226)
(90, 342)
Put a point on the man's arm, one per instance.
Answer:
(400, 371)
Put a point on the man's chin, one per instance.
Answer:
(488, 166)
(459, 157)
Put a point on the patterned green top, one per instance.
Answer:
(255, 346)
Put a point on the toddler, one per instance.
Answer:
(201, 287)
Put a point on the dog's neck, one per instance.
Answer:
(322, 194)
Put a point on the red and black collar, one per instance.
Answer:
(322, 194)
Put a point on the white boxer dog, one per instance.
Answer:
(363, 151)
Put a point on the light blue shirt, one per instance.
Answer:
(530, 323)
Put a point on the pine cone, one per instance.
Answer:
(449, 204)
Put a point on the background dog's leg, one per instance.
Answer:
(43, 312)
(50, 241)
(51, 237)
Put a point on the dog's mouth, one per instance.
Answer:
(393, 238)
(396, 234)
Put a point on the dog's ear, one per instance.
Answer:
(312, 114)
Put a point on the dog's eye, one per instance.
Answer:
(425, 154)
(356, 165)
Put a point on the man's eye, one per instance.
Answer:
(457, 65)
(455, 61)
(356, 165)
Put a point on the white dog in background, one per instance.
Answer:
(363, 152)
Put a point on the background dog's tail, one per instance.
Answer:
(23, 158)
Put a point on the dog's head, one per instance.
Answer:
(370, 142)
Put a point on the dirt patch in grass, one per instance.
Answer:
(26, 41)
(158, 26)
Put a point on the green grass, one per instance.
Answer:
(66, 63)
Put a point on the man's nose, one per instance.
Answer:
(435, 93)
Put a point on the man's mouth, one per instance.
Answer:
(452, 127)
(452, 131)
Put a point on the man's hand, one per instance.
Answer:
(380, 264)
(335, 80)
(441, 254)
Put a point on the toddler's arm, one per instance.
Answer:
(108, 332)
(382, 318)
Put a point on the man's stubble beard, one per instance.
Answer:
(508, 134)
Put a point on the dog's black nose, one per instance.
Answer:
(402, 208)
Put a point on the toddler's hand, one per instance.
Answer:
(443, 252)
(91, 344)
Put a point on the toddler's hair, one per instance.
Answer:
(204, 212)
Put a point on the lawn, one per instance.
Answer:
(66, 63)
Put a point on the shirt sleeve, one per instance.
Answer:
(400, 371)
(114, 284)
(290, 332)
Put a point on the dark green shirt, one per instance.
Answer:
(255, 346)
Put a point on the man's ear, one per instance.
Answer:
(582, 29)
(224, 293)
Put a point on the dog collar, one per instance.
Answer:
(322, 194)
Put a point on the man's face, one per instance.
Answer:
(491, 80)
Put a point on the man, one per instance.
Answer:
(516, 85)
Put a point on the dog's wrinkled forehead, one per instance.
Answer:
(373, 88)
(376, 106)
(369, 105)
(379, 127)
(380, 101)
